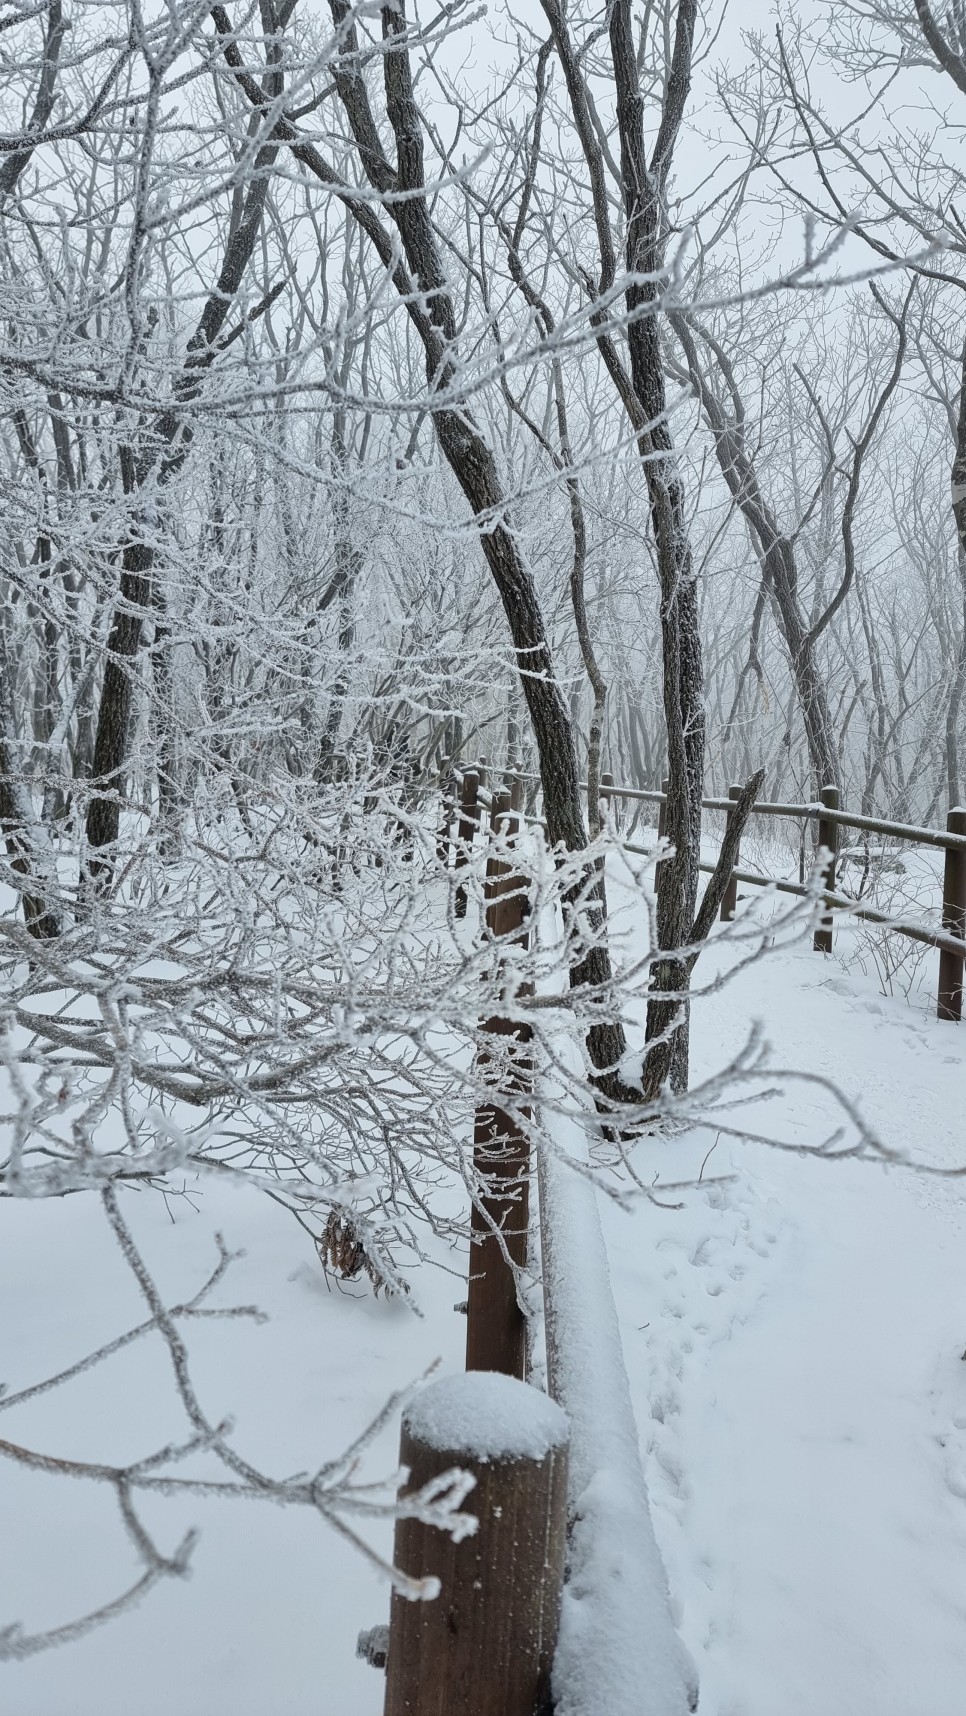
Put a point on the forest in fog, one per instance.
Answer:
(307, 341)
(573, 386)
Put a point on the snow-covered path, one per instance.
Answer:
(801, 1373)
(792, 1335)
(842, 1554)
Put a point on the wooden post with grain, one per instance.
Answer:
(950, 1004)
(484, 1646)
(828, 836)
(496, 1332)
(484, 808)
(447, 810)
(469, 819)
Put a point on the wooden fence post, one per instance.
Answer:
(954, 921)
(469, 820)
(484, 1646)
(496, 1330)
(483, 810)
(447, 795)
(516, 785)
(828, 836)
(729, 903)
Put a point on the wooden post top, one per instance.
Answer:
(486, 1416)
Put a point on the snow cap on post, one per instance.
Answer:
(487, 1416)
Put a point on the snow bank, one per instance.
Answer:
(488, 1416)
(618, 1650)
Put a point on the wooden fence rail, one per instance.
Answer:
(912, 832)
(950, 940)
(617, 1586)
(916, 834)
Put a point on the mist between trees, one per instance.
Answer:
(364, 407)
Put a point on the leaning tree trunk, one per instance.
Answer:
(475, 469)
(429, 304)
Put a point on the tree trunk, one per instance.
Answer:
(23, 836)
(954, 778)
(666, 1060)
(472, 463)
(117, 696)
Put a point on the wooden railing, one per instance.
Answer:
(467, 786)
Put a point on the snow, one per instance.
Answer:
(269, 1616)
(487, 1416)
(617, 1649)
(793, 1337)
(792, 1331)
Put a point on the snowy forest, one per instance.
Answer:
(482, 857)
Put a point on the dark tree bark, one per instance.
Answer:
(15, 163)
(642, 391)
(168, 760)
(164, 449)
(644, 185)
(117, 692)
(954, 708)
(23, 840)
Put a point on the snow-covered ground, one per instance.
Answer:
(793, 1339)
(792, 1333)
